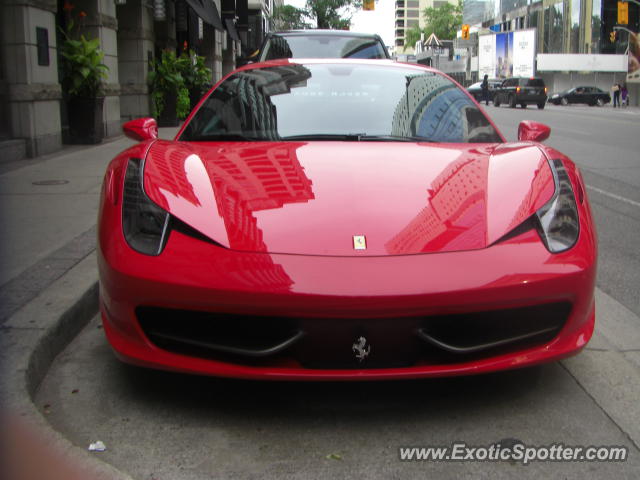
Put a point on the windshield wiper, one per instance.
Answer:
(393, 138)
(349, 137)
(224, 137)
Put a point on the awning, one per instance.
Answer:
(231, 28)
(208, 12)
(433, 41)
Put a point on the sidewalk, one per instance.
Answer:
(48, 291)
(48, 211)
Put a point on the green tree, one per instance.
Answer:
(329, 13)
(444, 21)
(325, 14)
(288, 17)
(412, 36)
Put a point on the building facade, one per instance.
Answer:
(408, 14)
(574, 44)
(132, 33)
(563, 26)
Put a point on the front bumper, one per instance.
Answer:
(353, 293)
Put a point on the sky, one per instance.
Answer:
(380, 21)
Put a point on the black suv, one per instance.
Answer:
(521, 91)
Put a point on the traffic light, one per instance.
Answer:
(623, 13)
(465, 32)
(369, 5)
(612, 36)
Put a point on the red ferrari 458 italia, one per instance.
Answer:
(343, 220)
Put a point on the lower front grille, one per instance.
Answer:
(342, 343)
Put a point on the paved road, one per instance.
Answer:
(159, 425)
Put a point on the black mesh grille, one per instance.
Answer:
(329, 342)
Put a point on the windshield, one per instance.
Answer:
(339, 102)
(323, 46)
(535, 82)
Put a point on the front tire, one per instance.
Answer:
(600, 102)
(496, 101)
(523, 105)
(512, 101)
(541, 106)
(564, 101)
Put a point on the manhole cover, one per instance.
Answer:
(50, 182)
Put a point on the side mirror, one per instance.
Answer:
(141, 129)
(533, 131)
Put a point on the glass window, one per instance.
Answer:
(339, 102)
(596, 23)
(553, 28)
(575, 26)
(535, 82)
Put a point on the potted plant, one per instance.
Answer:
(169, 94)
(197, 76)
(83, 74)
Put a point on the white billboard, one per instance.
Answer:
(524, 53)
(486, 56)
(581, 62)
(507, 54)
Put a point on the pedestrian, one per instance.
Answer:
(616, 94)
(624, 95)
(485, 89)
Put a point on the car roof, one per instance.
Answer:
(315, 32)
(346, 61)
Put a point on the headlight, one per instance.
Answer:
(558, 223)
(144, 224)
(555, 95)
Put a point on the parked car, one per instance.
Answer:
(584, 94)
(521, 91)
(331, 219)
(322, 44)
(476, 88)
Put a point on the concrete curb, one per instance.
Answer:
(30, 341)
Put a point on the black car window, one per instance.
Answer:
(339, 102)
(535, 82)
(323, 46)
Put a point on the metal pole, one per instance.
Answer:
(624, 28)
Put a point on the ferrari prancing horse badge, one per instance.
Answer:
(359, 242)
(361, 349)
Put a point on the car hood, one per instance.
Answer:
(314, 197)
